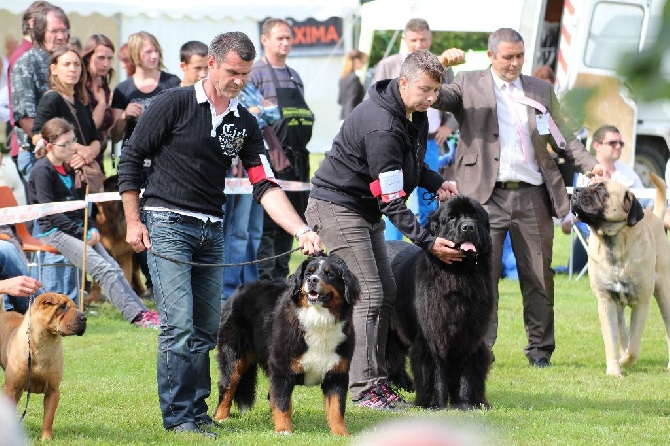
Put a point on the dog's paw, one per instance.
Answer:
(614, 372)
(627, 359)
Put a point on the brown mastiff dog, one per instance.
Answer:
(629, 260)
(49, 317)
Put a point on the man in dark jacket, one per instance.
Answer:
(377, 159)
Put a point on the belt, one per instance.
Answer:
(432, 135)
(510, 185)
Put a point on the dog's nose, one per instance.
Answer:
(468, 227)
(577, 190)
(313, 280)
(82, 317)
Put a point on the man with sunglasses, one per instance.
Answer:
(607, 146)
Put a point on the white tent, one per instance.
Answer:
(174, 22)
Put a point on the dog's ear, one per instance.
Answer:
(634, 209)
(296, 279)
(352, 288)
(433, 223)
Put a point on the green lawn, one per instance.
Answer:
(109, 388)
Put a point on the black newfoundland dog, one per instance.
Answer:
(299, 332)
(442, 312)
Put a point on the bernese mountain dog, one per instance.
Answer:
(300, 332)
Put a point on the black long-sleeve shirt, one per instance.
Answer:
(189, 159)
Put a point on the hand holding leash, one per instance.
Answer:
(446, 191)
(309, 241)
(21, 286)
(137, 236)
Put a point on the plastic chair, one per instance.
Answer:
(32, 246)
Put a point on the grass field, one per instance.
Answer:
(109, 394)
(109, 388)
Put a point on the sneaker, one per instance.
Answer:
(382, 397)
(147, 319)
(391, 395)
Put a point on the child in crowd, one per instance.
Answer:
(52, 180)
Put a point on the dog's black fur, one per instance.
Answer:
(299, 331)
(442, 312)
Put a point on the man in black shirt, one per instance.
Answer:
(191, 135)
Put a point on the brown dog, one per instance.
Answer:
(629, 260)
(49, 317)
(111, 223)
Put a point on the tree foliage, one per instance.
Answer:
(441, 42)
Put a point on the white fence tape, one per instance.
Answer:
(17, 214)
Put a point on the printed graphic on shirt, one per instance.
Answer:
(231, 139)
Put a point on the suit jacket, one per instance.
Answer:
(471, 98)
(389, 68)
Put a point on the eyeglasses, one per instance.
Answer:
(59, 31)
(66, 144)
(613, 144)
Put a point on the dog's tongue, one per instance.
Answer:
(468, 246)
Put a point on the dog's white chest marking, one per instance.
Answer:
(322, 334)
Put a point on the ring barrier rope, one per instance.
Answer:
(17, 214)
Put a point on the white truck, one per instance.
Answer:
(583, 40)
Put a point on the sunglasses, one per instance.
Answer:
(613, 144)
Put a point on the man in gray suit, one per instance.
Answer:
(506, 120)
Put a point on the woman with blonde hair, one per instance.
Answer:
(351, 90)
(134, 94)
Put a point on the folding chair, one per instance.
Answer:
(32, 246)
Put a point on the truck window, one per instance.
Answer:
(615, 29)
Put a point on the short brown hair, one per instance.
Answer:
(270, 23)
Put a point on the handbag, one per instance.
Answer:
(278, 158)
(90, 173)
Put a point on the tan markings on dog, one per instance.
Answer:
(334, 415)
(342, 366)
(296, 365)
(323, 333)
(223, 410)
(51, 316)
(281, 420)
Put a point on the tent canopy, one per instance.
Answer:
(175, 22)
(211, 9)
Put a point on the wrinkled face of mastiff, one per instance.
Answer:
(58, 314)
(606, 206)
(466, 223)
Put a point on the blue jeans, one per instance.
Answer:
(25, 161)
(243, 230)
(12, 265)
(188, 300)
(427, 207)
(59, 278)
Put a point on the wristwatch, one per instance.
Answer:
(302, 231)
